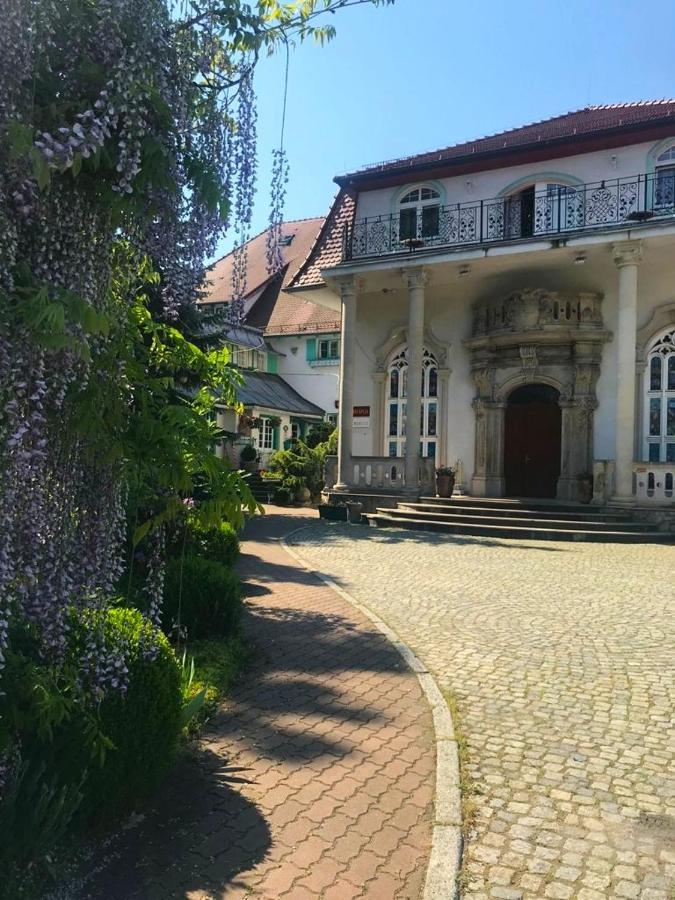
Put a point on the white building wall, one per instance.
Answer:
(316, 381)
(621, 162)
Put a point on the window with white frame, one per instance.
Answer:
(266, 435)
(329, 348)
(419, 214)
(396, 402)
(664, 180)
(295, 431)
(659, 425)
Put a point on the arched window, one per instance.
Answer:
(419, 214)
(659, 427)
(397, 391)
(664, 181)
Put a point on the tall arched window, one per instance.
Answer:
(659, 427)
(397, 391)
(664, 181)
(419, 214)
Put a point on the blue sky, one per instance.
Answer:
(424, 74)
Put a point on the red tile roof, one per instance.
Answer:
(218, 288)
(589, 121)
(327, 251)
(274, 311)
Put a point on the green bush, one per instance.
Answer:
(209, 596)
(319, 434)
(143, 723)
(299, 468)
(219, 543)
(248, 453)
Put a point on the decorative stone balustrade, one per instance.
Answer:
(380, 473)
(654, 482)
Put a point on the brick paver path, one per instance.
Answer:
(561, 658)
(315, 781)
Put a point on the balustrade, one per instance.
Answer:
(546, 213)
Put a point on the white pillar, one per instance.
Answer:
(347, 362)
(415, 280)
(627, 257)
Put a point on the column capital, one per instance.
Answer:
(627, 253)
(415, 278)
(349, 286)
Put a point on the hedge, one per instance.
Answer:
(209, 596)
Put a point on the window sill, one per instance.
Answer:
(333, 361)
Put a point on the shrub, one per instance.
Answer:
(218, 543)
(209, 596)
(298, 468)
(143, 723)
(282, 496)
(248, 453)
(319, 434)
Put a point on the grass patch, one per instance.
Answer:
(218, 663)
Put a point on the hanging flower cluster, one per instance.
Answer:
(275, 258)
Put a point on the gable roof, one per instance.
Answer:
(615, 123)
(327, 250)
(585, 122)
(270, 308)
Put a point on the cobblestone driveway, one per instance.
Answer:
(560, 657)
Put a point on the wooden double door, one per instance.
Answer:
(532, 442)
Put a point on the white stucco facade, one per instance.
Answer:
(300, 364)
(580, 311)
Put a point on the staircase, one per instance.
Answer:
(263, 489)
(524, 519)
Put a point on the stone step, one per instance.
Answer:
(531, 505)
(533, 531)
(469, 509)
(547, 520)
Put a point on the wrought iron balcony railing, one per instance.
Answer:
(529, 215)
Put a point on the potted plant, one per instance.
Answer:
(354, 511)
(248, 458)
(585, 491)
(445, 481)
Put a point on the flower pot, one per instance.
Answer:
(354, 511)
(585, 491)
(333, 513)
(445, 485)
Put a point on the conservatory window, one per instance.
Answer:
(659, 425)
(419, 214)
(395, 409)
(266, 438)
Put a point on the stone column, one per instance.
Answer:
(347, 363)
(627, 257)
(379, 447)
(415, 280)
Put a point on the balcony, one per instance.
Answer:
(529, 216)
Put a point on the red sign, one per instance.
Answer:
(361, 411)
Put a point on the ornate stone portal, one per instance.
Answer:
(536, 336)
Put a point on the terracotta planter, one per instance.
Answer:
(445, 485)
(585, 490)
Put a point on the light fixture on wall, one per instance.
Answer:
(294, 350)
(285, 428)
(579, 259)
(614, 161)
(463, 271)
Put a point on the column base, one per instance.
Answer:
(487, 486)
(620, 500)
(340, 488)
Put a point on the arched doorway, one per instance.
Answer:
(532, 441)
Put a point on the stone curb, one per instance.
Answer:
(446, 844)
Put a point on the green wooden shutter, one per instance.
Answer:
(311, 349)
(275, 437)
(272, 364)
